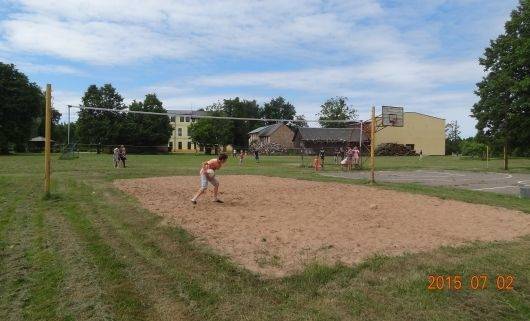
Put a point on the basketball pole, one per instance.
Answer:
(47, 141)
(487, 156)
(372, 147)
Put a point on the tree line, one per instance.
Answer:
(502, 111)
(22, 117)
(220, 132)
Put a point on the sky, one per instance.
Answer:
(419, 54)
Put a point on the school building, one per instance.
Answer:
(180, 140)
(420, 132)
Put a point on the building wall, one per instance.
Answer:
(180, 135)
(426, 133)
(283, 136)
(180, 141)
(252, 138)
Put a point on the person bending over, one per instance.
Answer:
(207, 174)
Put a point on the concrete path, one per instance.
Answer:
(477, 181)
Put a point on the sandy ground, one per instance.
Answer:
(275, 226)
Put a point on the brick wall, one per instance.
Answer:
(283, 136)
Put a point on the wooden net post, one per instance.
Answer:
(47, 142)
(372, 147)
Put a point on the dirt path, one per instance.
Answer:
(274, 225)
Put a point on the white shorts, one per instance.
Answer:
(205, 180)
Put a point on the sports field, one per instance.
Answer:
(92, 251)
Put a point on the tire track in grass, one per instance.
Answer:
(13, 265)
(123, 298)
(82, 292)
(159, 299)
(46, 275)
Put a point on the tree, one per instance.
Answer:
(212, 132)
(301, 122)
(452, 138)
(95, 126)
(472, 148)
(336, 109)
(148, 130)
(503, 111)
(241, 109)
(20, 104)
(41, 123)
(278, 108)
(60, 133)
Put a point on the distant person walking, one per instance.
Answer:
(123, 155)
(421, 154)
(337, 158)
(256, 155)
(234, 153)
(116, 157)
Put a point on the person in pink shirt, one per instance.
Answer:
(207, 174)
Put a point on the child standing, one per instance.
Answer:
(356, 153)
(207, 174)
(316, 164)
(241, 157)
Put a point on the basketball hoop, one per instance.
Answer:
(392, 116)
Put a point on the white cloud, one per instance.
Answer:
(47, 68)
(398, 72)
(118, 32)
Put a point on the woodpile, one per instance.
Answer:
(392, 149)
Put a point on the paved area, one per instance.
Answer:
(477, 181)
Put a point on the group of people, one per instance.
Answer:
(347, 158)
(119, 155)
(243, 153)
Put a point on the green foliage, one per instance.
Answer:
(41, 127)
(470, 147)
(336, 109)
(212, 132)
(242, 109)
(301, 123)
(148, 130)
(503, 111)
(95, 126)
(278, 108)
(21, 102)
(452, 138)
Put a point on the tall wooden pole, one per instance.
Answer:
(487, 156)
(505, 156)
(47, 143)
(372, 147)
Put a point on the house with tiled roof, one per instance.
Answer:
(278, 133)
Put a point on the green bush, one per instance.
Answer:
(473, 149)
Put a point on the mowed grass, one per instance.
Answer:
(91, 252)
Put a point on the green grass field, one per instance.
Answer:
(90, 252)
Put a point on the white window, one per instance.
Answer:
(187, 119)
(181, 119)
(179, 132)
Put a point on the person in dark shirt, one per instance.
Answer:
(322, 154)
